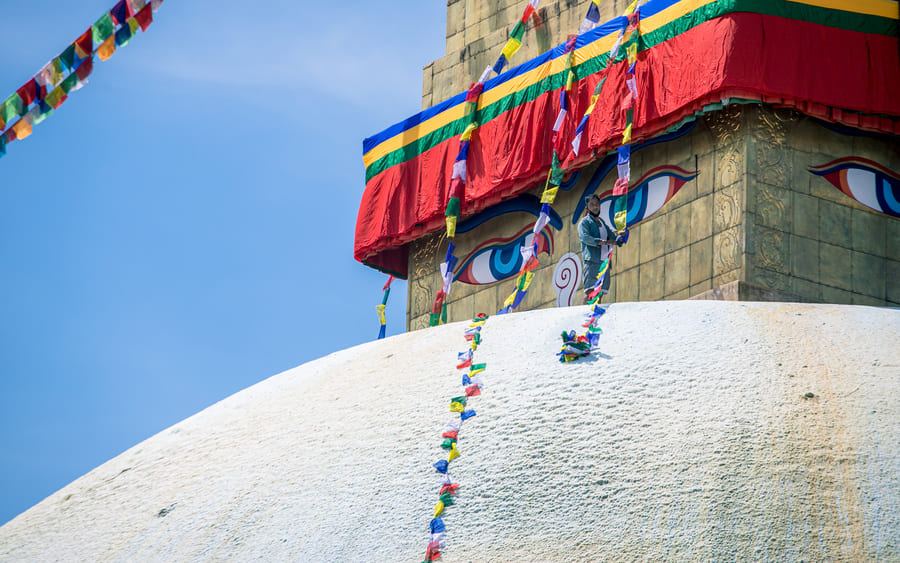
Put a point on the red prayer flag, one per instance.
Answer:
(145, 17)
(474, 91)
(450, 434)
(473, 391)
(85, 68)
(388, 284)
(621, 186)
(433, 552)
(27, 92)
(456, 188)
(529, 9)
(531, 264)
(449, 488)
(84, 45)
(438, 302)
(465, 364)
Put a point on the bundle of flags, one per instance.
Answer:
(472, 385)
(43, 93)
(380, 308)
(458, 176)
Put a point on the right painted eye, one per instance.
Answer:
(648, 196)
(867, 182)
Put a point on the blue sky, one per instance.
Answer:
(182, 227)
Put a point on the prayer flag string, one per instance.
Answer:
(379, 309)
(574, 346)
(44, 92)
(472, 383)
(456, 193)
(577, 346)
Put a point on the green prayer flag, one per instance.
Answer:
(477, 338)
(599, 86)
(12, 107)
(556, 172)
(452, 207)
(448, 443)
(103, 28)
(461, 400)
(620, 204)
(385, 298)
(70, 82)
(518, 31)
(67, 57)
(435, 319)
(476, 367)
(447, 499)
(2, 145)
(444, 314)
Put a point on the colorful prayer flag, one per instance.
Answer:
(107, 48)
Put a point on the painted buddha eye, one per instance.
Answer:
(867, 182)
(609, 162)
(500, 258)
(651, 192)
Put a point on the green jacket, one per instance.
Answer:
(596, 239)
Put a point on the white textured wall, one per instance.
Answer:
(688, 438)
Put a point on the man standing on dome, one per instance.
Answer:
(596, 245)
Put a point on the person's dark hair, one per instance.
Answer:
(590, 197)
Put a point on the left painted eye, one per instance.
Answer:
(867, 182)
(648, 195)
(498, 259)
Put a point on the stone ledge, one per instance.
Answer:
(743, 291)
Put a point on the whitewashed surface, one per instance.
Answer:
(688, 438)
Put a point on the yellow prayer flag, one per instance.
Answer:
(528, 277)
(107, 49)
(22, 128)
(473, 345)
(475, 371)
(631, 50)
(451, 226)
(438, 508)
(54, 97)
(597, 2)
(630, 9)
(511, 299)
(2, 124)
(570, 79)
(626, 135)
(620, 219)
(593, 103)
(380, 310)
(454, 453)
(456, 406)
(549, 195)
(56, 74)
(133, 25)
(511, 47)
(477, 323)
(467, 132)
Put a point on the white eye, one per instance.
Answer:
(866, 181)
(657, 193)
(862, 187)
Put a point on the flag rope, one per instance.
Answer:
(46, 91)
